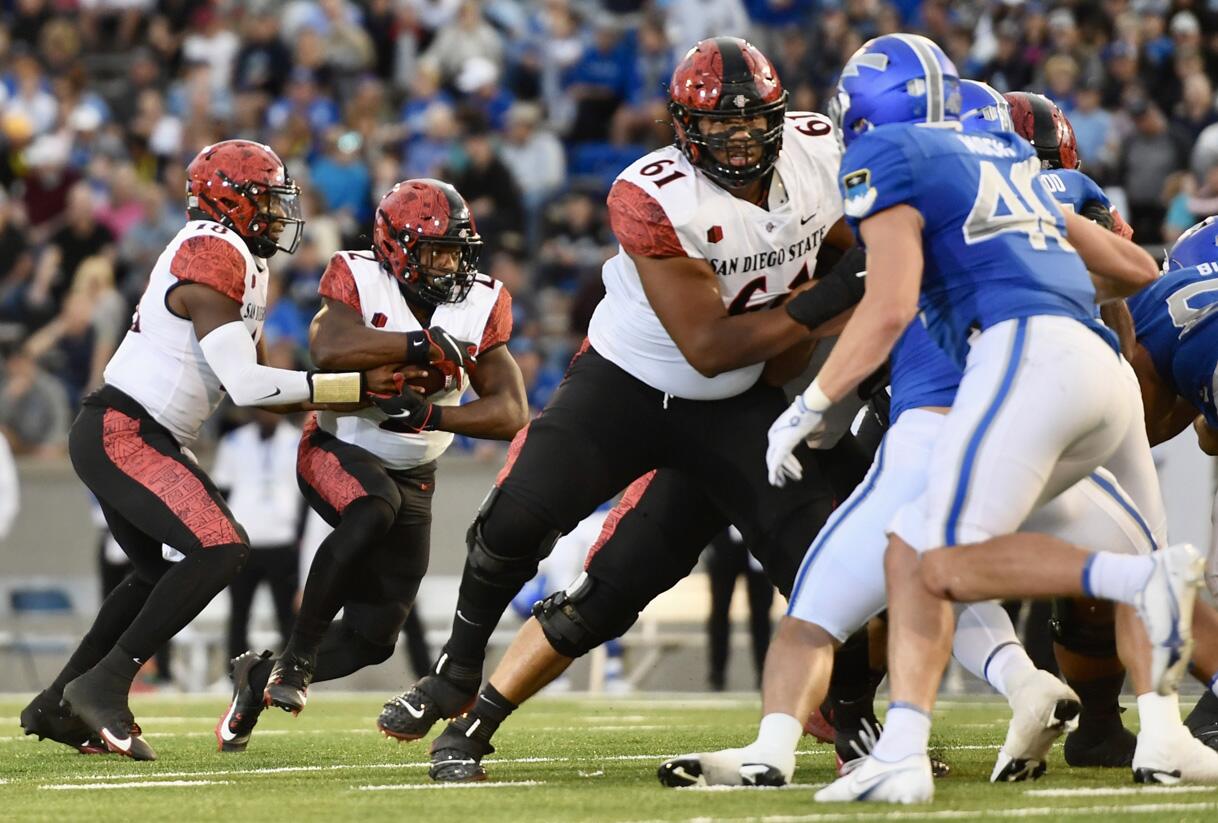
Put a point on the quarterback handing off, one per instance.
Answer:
(196, 336)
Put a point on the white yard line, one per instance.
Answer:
(141, 784)
(963, 814)
(1117, 791)
(392, 787)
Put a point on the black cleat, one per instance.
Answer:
(47, 717)
(456, 755)
(434, 697)
(94, 699)
(288, 685)
(1109, 748)
(1202, 721)
(237, 724)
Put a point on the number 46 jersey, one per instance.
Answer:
(1176, 319)
(662, 206)
(993, 239)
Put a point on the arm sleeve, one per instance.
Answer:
(338, 283)
(875, 176)
(640, 223)
(211, 262)
(231, 353)
(498, 328)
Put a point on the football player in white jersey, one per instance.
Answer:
(715, 232)
(371, 473)
(196, 336)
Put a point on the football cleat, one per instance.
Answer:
(728, 767)
(434, 697)
(1043, 708)
(456, 754)
(47, 717)
(1173, 757)
(820, 728)
(908, 780)
(237, 723)
(1165, 605)
(1202, 721)
(1110, 748)
(288, 684)
(107, 713)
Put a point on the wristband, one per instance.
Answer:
(418, 348)
(343, 387)
(815, 398)
(435, 413)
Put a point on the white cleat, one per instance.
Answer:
(1165, 606)
(1173, 757)
(1042, 709)
(906, 781)
(729, 767)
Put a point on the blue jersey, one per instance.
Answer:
(1176, 319)
(921, 373)
(993, 240)
(1072, 188)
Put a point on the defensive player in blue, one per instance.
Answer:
(956, 226)
(1176, 359)
(840, 584)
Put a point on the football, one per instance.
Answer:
(440, 377)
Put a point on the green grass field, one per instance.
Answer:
(559, 759)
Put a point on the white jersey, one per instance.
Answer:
(484, 318)
(662, 206)
(160, 363)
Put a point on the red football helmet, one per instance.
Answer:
(1038, 120)
(427, 214)
(243, 185)
(726, 78)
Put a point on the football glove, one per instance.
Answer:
(408, 411)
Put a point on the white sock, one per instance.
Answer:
(987, 646)
(1159, 714)
(906, 732)
(777, 737)
(1116, 577)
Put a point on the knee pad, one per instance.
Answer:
(579, 618)
(1083, 627)
(377, 625)
(520, 541)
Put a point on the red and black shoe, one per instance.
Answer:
(288, 685)
(94, 698)
(434, 697)
(456, 755)
(47, 717)
(237, 723)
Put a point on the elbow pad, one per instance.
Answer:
(836, 292)
(231, 353)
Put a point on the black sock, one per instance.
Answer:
(480, 606)
(852, 685)
(364, 522)
(491, 710)
(455, 670)
(1100, 696)
(117, 612)
(179, 596)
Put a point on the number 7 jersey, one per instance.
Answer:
(662, 206)
(993, 239)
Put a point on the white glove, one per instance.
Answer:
(804, 417)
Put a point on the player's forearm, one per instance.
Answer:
(497, 417)
(1123, 268)
(864, 346)
(355, 348)
(736, 341)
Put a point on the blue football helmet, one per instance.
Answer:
(982, 109)
(1196, 246)
(897, 78)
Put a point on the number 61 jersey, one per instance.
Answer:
(662, 206)
(1176, 319)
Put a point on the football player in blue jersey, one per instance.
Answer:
(1176, 359)
(956, 226)
(850, 549)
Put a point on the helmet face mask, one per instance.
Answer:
(243, 186)
(424, 236)
(728, 109)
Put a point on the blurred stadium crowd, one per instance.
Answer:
(530, 107)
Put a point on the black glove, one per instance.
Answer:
(833, 294)
(460, 352)
(408, 412)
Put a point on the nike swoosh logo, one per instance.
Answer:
(417, 714)
(466, 619)
(276, 393)
(804, 220)
(123, 745)
(225, 731)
